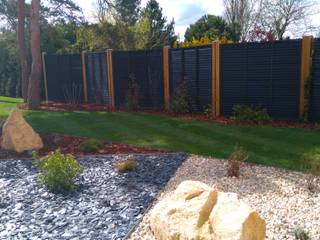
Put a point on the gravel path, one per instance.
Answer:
(106, 206)
(281, 197)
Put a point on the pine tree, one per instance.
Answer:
(153, 30)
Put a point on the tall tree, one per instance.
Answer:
(24, 68)
(152, 30)
(210, 26)
(123, 15)
(280, 16)
(242, 15)
(35, 76)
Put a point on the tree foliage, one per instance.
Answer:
(212, 27)
(152, 29)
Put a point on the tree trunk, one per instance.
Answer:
(35, 76)
(24, 68)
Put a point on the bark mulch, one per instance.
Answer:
(70, 144)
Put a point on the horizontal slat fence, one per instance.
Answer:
(97, 78)
(64, 77)
(261, 74)
(217, 76)
(144, 70)
(192, 65)
(315, 86)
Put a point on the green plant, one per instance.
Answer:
(208, 110)
(311, 165)
(133, 93)
(58, 171)
(178, 101)
(126, 165)
(250, 114)
(91, 145)
(301, 234)
(236, 160)
(317, 127)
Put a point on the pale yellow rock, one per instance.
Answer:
(196, 211)
(18, 135)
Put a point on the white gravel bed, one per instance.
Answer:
(281, 197)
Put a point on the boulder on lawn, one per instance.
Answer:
(18, 135)
(196, 211)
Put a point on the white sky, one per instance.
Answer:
(184, 12)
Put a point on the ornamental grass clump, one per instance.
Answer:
(236, 160)
(91, 145)
(126, 166)
(301, 234)
(58, 171)
(311, 165)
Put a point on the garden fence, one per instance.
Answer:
(273, 75)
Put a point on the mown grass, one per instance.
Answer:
(279, 147)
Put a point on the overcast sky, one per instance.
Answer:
(184, 12)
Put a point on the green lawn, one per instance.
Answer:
(278, 147)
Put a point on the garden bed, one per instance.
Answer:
(187, 116)
(70, 144)
(281, 197)
(106, 206)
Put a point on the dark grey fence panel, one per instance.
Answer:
(64, 78)
(262, 74)
(315, 87)
(145, 69)
(194, 66)
(97, 78)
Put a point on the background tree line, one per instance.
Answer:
(125, 25)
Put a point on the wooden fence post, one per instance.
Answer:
(84, 76)
(110, 79)
(306, 61)
(166, 72)
(215, 79)
(44, 69)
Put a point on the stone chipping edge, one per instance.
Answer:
(152, 204)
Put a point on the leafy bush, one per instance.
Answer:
(236, 159)
(126, 166)
(250, 114)
(178, 101)
(301, 234)
(91, 145)
(311, 164)
(58, 171)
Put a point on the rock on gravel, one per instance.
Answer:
(279, 196)
(106, 206)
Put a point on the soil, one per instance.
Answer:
(70, 144)
(189, 116)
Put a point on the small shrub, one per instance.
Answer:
(208, 110)
(316, 127)
(311, 164)
(58, 171)
(126, 166)
(251, 114)
(91, 145)
(178, 101)
(236, 159)
(301, 234)
(132, 96)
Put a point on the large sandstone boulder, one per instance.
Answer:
(196, 211)
(18, 135)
